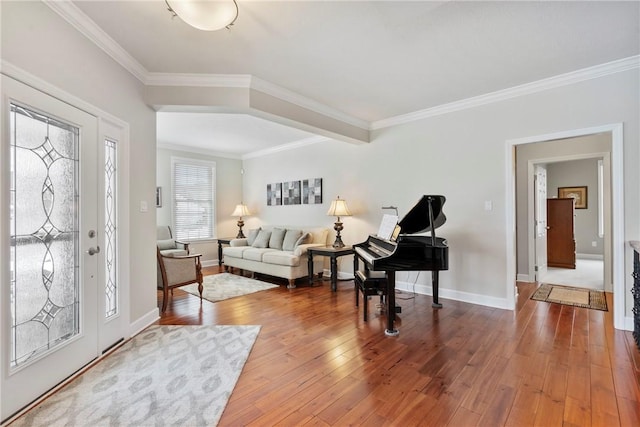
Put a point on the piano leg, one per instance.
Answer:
(434, 285)
(391, 304)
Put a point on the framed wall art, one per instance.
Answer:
(274, 194)
(577, 193)
(291, 194)
(312, 191)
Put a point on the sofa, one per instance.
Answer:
(279, 251)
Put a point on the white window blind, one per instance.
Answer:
(193, 199)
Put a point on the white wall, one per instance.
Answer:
(37, 40)
(228, 195)
(461, 155)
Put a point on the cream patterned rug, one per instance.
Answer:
(164, 376)
(218, 287)
(567, 295)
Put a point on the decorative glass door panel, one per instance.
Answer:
(44, 221)
(110, 226)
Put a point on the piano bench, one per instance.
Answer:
(369, 283)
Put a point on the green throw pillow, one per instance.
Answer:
(290, 239)
(262, 240)
(252, 235)
(277, 237)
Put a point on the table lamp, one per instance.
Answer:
(240, 211)
(338, 208)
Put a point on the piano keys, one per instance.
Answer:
(409, 252)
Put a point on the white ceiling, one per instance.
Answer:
(372, 60)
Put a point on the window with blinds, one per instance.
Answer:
(193, 199)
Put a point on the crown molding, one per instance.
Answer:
(613, 67)
(81, 22)
(196, 150)
(285, 147)
(199, 80)
(304, 102)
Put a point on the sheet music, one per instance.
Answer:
(387, 226)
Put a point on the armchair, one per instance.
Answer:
(168, 246)
(176, 271)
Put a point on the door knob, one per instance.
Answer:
(93, 251)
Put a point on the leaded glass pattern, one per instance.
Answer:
(44, 258)
(110, 218)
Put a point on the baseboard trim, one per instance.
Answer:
(143, 322)
(455, 295)
(210, 263)
(590, 256)
(524, 278)
(628, 323)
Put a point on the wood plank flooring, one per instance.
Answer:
(317, 363)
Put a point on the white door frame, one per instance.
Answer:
(617, 211)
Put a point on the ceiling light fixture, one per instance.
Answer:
(206, 15)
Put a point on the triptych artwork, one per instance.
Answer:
(306, 192)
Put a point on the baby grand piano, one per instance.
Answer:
(409, 252)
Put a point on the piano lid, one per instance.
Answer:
(417, 219)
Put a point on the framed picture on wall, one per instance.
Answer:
(312, 191)
(274, 194)
(291, 193)
(579, 194)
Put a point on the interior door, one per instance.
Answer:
(48, 245)
(540, 202)
(561, 244)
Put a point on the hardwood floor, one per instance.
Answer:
(316, 362)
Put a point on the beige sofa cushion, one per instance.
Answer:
(256, 254)
(234, 251)
(281, 258)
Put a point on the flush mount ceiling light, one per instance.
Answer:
(206, 15)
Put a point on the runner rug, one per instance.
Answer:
(567, 295)
(164, 376)
(218, 287)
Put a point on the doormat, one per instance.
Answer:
(567, 295)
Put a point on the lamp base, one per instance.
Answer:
(338, 243)
(240, 233)
(338, 227)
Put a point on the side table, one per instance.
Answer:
(333, 254)
(223, 241)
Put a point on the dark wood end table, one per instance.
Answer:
(333, 254)
(223, 241)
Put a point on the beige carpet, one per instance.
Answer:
(164, 376)
(577, 297)
(218, 287)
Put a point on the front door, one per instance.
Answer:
(561, 244)
(49, 245)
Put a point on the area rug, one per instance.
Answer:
(164, 376)
(218, 287)
(567, 295)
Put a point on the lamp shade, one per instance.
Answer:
(338, 208)
(206, 15)
(240, 211)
